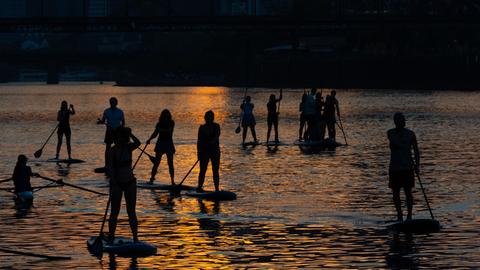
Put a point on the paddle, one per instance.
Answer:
(39, 152)
(97, 246)
(5, 180)
(139, 156)
(238, 129)
(341, 128)
(60, 182)
(152, 158)
(48, 257)
(425, 195)
(188, 173)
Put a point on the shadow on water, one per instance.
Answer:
(113, 265)
(402, 251)
(63, 170)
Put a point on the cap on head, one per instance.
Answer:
(209, 116)
(64, 105)
(314, 90)
(399, 120)
(113, 102)
(248, 98)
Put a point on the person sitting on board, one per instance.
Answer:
(164, 131)
(402, 167)
(21, 178)
(310, 112)
(301, 109)
(331, 105)
(208, 149)
(248, 120)
(272, 118)
(63, 118)
(122, 180)
(114, 118)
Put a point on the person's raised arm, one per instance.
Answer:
(416, 153)
(281, 95)
(72, 109)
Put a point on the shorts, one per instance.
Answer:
(302, 118)
(164, 147)
(64, 130)
(272, 118)
(109, 134)
(401, 179)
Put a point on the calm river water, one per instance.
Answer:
(294, 209)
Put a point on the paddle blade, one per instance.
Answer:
(38, 153)
(97, 247)
(238, 130)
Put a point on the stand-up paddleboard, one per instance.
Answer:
(68, 160)
(221, 195)
(250, 144)
(416, 226)
(100, 170)
(124, 247)
(321, 143)
(163, 187)
(273, 143)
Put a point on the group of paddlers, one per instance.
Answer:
(317, 113)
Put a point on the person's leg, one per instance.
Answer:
(115, 201)
(171, 169)
(398, 203)
(254, 133)
(203, 170)
(69, 147)
(158, 157)
(330, 127)
(131, 201)
(59, 144)
(323, 126)
(215, 169)
(275, 125)
(409, 196)
(300, 130)
(244, 134)
(269, 130)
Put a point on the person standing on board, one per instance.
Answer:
(301, 109)
(402, 167)
(208, 149)
(114, 118)
(122, 180)
(272, 118)
(63, 118)
(248, 120)
(331, 105)
(21, 178)
(164, 131)
(310, 112)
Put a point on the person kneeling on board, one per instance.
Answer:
(402, 167)
(122, 180)
(208, 148)
(21, 178)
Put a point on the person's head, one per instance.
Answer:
(22, 160)
(333, 93)
(272, 97)
(209, 117)
(318, 96)
(304, 97)
(248, 98)
(399, 120)
(165, 116)
(122, 135)
(313, 91)
(64, 106)
(113, 102)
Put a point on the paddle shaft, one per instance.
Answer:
(48, 139)
(34, 254)
(425, 195)
(5, 180)
(191, 169)
(60, 182)
(100, 235)
(341, 128)
(139, 156)
(152, 158)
